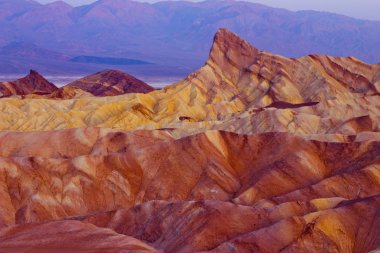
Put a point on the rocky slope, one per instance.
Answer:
(254, 152)
(66, 92)
(33, 83)
(194, 194)
(111, 83)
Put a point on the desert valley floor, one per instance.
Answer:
(254, 152)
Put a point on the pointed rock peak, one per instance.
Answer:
(225, 36)
(37, 82)
(36, 77)
(32, 72)
(229, 46)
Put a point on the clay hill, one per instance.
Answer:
(254, 152)
(104, 83)
(111, 83)
(33, 83)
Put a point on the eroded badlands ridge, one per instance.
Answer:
(239, 87)
(254, 152)
(214, 191)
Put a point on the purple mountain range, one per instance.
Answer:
(173, 37)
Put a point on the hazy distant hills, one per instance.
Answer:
(174, 36)
(107, 60)
(30, 50)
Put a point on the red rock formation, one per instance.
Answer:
(33, 83)
(304, 186)
(111, 83)
(238, 66)
(67, 236)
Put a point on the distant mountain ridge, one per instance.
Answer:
(30, 50)
(175, 36)
(107, 60)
